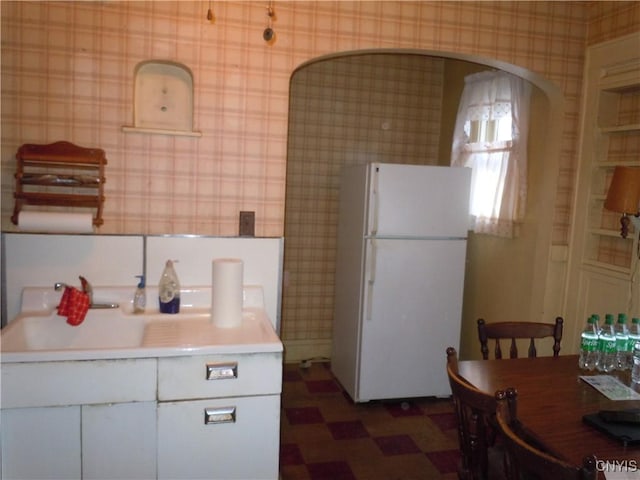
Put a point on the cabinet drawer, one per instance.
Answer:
(36, 384)
(242, 446)
(205, 376)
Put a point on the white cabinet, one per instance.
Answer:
(217, 412)
(119, 441)
(41, 443)
(200, 416)
(229, 438)
(83, 419)
(114, 441)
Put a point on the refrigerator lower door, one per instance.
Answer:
(412, 313)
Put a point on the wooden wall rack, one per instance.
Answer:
(60, 174)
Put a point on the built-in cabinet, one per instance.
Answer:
(83, 419)
(616, 141)
(603, 265)
(39, 443)
(215, 413)
(167, 418)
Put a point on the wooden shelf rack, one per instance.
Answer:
(60, 174)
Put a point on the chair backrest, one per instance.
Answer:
(515, 330)
(523, 458)
(475, 412)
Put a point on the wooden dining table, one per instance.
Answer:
(552, 400)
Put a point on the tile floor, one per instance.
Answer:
(325, 436)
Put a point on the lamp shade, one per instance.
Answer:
(624, 192)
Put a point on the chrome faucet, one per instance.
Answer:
(88, 289)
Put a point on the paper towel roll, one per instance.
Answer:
(55, 222)
(226, 294)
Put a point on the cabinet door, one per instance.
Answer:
(245, 447)
(119, 441)
(41, 443)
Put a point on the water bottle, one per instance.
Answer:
(589, 346)
(607, 345)
(598, 326)
(623, 352)
(634, 339)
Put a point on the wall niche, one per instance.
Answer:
(163, 99)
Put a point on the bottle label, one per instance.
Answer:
(167, 294)
(622, 344)
(589, 344)
(608, 346)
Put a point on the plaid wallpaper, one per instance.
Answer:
(347, 111)
(68, 71)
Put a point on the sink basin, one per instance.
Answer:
(101, 329)
(39, 334)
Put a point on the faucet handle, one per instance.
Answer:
(59, 286)
(86, 286)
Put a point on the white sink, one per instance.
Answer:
(42, 335)
(101, 329)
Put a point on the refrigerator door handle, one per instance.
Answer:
(371, 277)
(375, 194)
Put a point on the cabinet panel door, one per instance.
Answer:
(247, 448)
(119, 441)
(41, 443)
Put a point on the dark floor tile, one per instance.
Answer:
(444, 421)
(322, 386)
(396, 445)
(347, 430)
(290, 455)
(289, 375)
(303, 415)
(331, 471)
(376, 440)
(445, 461)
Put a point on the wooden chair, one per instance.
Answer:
(523, 459)
(475, 410)
(515, 330)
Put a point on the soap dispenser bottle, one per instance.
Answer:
(140, 297)
(169, 290)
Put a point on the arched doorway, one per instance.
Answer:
(399, 107)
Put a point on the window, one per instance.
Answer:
(490, 137)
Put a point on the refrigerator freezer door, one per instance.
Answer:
(418, 201)
(413, 309)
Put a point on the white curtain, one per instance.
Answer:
(499, 178)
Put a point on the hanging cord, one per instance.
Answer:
(210, 16)
(269, 34)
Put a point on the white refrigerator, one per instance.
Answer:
(400, 263)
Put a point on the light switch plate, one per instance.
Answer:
(247, 224)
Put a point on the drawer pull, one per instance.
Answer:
(219, 415)
(222, 371)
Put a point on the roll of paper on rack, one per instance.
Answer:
(227, 292)
(55, 222)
